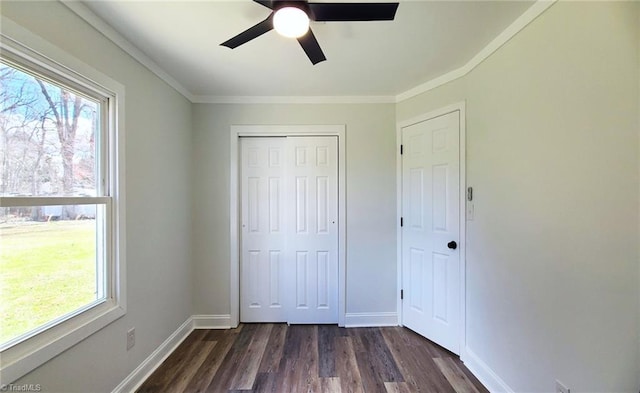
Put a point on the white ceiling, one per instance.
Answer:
(426, 40)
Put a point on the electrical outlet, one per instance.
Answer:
(131, 338)
(561, 388)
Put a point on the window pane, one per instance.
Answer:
(49, 267)
(48, 138)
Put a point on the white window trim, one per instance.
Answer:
(24, 357)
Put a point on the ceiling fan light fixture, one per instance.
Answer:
(291, 22)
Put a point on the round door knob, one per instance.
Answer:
(452, 245)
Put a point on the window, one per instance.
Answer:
(61, 208)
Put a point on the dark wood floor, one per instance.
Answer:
(310, 358)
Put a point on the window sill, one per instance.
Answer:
(24, 357)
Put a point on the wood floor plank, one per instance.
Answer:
(455, 376)
(417, 367)
(232, 362)
(298, 370)
(429, 348)
(397, 387)
(474, 380)
(291, 346)
(330, 385)
(245, 378)
(370, 347)
(266, 383)
(347, 366)
(205, 373)
(259, 358)
(214, 334)
(286, 377)
(273, 354)
(290, 361)
(371, 381)
(307, 371)
(368, 364)
(326, 350)
(172, 366)
(191, 366)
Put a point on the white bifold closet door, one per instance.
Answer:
(289, 231)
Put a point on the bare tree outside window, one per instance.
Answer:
(50, 259)
(47, 140)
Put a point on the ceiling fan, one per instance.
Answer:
(291, 19)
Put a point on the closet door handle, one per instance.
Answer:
(452, 245)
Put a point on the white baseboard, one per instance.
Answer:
(212, 321)
(371, 319)
(133, 381)
(484, 373)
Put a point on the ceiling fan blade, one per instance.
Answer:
(266, 3)
(355, 12)
(311, 47)
(251, 33)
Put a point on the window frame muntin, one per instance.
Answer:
(31, 353)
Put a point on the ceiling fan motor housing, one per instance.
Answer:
(303, 5)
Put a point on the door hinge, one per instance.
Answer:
(402, 294)
(401, 221)
(401, 149)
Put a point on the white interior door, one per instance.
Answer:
(289, 236)
(312, 242)
(431, 229)
(263, 231)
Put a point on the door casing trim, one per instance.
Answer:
(461, 107)
(238, 131)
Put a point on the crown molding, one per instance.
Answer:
(537, 9)
(101, 26)
(514, 28)
(294, 99)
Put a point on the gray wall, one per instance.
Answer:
(552, 154)
(371, 199)
(158, 194)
